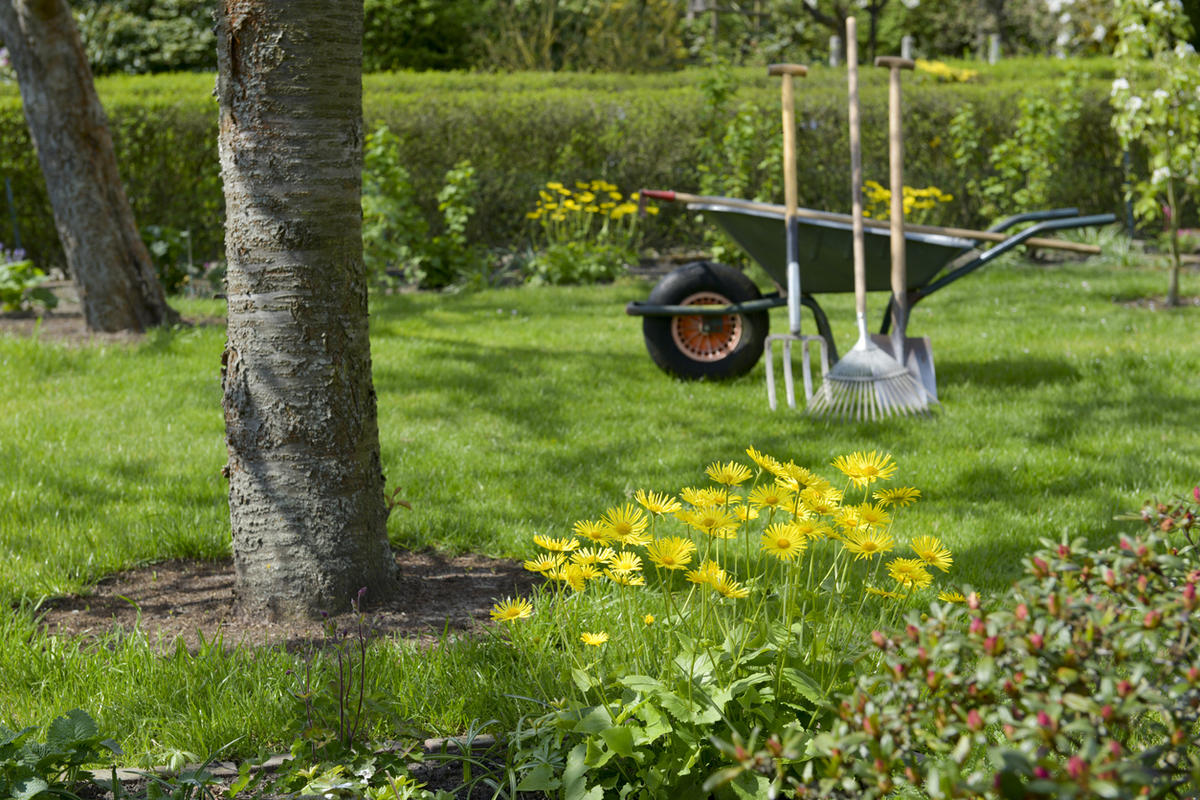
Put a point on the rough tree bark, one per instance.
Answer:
(117, 284)
(306, 492)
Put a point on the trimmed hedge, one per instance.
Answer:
(520, 131)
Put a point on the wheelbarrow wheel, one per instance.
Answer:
(705, 347)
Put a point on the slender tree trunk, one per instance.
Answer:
(105, 254)
(306, 496)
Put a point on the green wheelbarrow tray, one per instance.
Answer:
(825, 254)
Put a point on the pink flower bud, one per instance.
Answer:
(879, 639)
(1063, 551)
(1124, 688)
(1044, 720)
(913, 632)
(1036, 641)
(977, 626)
(1022, 612)
(1041, 772)
(974, 721)
(1076, 767)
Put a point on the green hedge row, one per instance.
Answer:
(520, 131)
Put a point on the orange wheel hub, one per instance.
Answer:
(706, 338)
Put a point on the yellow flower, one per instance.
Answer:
(555, 545)
(909, 573)
(819, 501)
(628, 523)
(902, 496)
(593, 555)
(713, 520)
(544, 563)
(708, 573)
(931, 550)
(873, 516)
(728, 474)
(657, 503)
(745, 513)
(951, 596)
(885, 593)
(509, 610)
(702, 498)
(847, 518)
(801, 476)
(648, 619)
(867, 542)
(783, 541)
(631, 578)
(863, 469)
(591, 530)
(673, 552)
(763, 460)
(811, 529)
(726, 586)
(625, 561)
(594, 639)
(554, 185)
(770, 495)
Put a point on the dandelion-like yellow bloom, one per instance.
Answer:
(868, 542)
(626, 561)
(593, 555)
(763, 460)
(702, 498)
(771, 495)
(657, 503)
(510, 610)
(726, 586)
(885, 593)
(554, 545)
(873, 515)
(648, 619)
(812, 529)
(951, 596)
(863, 469)
(909, 573)
(708, 574)
(598, 532)
(594, 639)
(847, 518)
(628, 523)
(931, 550)
(902, 496)
(625, 578)
(784, 541)
(673, 552)
(745, 513)
(728, 474)
(801, 476)
(713, 520)
(823, 502)
(544, 563)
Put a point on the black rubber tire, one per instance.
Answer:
(690, 347)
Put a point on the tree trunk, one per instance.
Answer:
(105, 254)
(306, 496)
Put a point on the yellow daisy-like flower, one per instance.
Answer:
(847, 518)
(598, 532)
(593, 555)
(745, 513)
(885, 593)
(784, 541)
(554, 545)
(863, 469)
(510, 610)
(931, 550)
(628, 523)
(821, 501)
(728, 474)
(873, 515)
(812, 529)
(801, 476)
(951, 596)
(648, 619)
(657, 503)
(902, 496)
(713, 520)
(726, 586)
(673, 552)
(594, 639)
(771, 495)
(702, 498)
(626, 561)
(763, 460)
(544, 563)
(909, 573)
(625, 578)
(709, 573)
(866, 542)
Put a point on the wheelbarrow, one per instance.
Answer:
(706, 320)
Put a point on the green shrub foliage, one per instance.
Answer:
(1085, 683)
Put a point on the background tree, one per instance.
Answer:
(832, 14)
(117, 284)
(306, 495)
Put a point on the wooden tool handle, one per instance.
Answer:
(790, 191)
(896, 179)
(856, 210)
(787, 69)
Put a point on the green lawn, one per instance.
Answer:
(512, 412)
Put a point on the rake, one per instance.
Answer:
(865, 383)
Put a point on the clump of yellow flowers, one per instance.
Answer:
(763, 540)
(920, 205)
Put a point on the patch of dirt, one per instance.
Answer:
(192, 599)
(1159, 303)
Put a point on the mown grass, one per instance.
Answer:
(511, 412)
